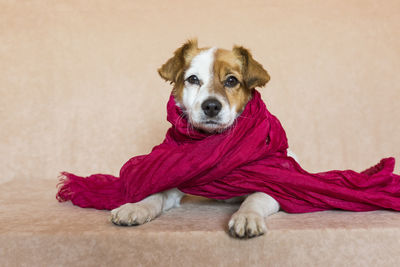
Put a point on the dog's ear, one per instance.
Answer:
(254, 74)
(172, 69)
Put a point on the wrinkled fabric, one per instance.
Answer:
(251, 156)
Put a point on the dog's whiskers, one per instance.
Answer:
(244, 117)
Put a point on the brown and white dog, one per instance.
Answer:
(212, 86)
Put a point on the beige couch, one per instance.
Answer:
(79, 92)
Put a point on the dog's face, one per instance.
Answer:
(212, 86)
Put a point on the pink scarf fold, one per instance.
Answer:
(248, 157)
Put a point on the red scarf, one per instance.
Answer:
(248, 157)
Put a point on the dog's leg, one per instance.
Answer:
(147, 209)
(248, 221)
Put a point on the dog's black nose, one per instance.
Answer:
(211, 107)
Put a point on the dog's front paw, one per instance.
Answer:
(131, 214)
(246, 225)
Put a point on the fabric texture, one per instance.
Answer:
(248, 157)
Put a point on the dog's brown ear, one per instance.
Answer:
(172, 69)
(253, 72)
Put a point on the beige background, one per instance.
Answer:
(79, 89)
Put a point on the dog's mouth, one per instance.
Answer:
(211, 122)
(211, 126)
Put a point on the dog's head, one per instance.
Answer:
(212, 86)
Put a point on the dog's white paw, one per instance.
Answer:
(132, 214)
(246, 225)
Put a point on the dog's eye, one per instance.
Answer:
(232, 81)
(193, 80)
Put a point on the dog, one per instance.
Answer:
(211, 86)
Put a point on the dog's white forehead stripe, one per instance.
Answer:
(202, 65)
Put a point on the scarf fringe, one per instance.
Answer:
(99, 191)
